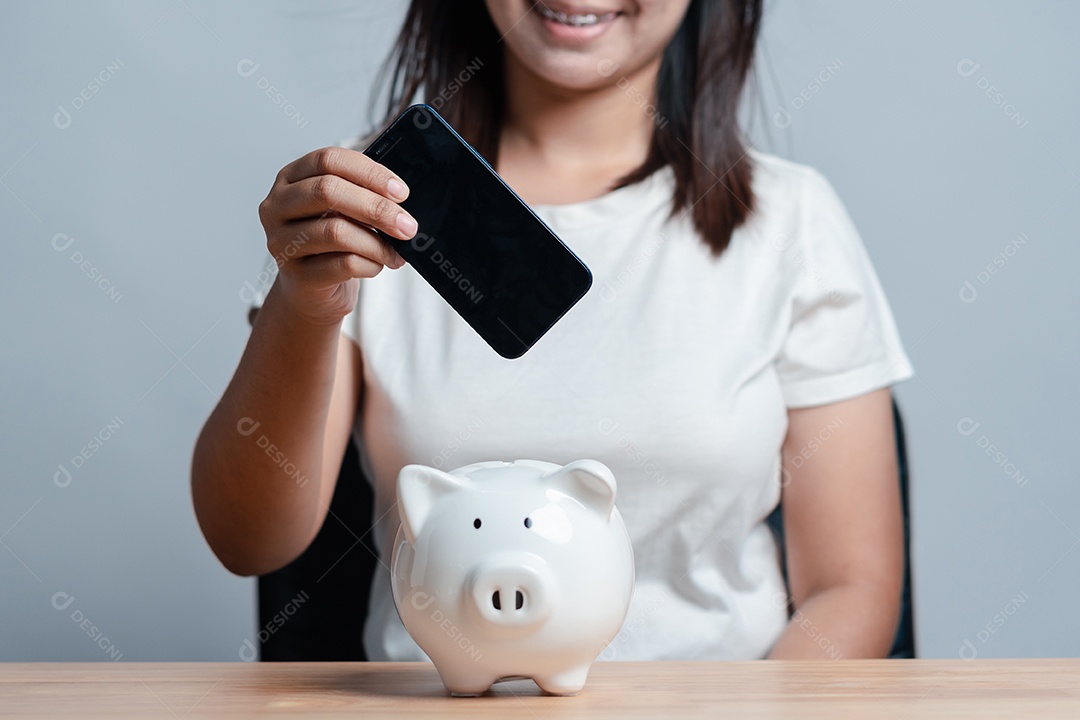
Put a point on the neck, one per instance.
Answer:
(600, 128)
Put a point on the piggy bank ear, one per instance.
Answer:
(419, 488)
(590, 482)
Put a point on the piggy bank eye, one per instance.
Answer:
(528, 522)
(476, 523)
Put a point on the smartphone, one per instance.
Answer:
(478, 244)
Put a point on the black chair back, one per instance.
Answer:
(314, 607)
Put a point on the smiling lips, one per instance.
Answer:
(574, 19)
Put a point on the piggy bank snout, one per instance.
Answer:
(512, 591)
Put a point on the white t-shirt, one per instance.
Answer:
(676, 370)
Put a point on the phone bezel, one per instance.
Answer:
(379, 148)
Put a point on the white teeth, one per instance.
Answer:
(574, 20)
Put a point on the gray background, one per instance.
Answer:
(155, 180)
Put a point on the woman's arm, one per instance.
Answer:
(843, 530)
(268, 457)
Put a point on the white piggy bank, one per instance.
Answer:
(511, 569)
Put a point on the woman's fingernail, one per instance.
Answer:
(406, 224)
(397, 262)
(397, 189)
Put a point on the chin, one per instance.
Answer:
(577, 73)
(585, 44)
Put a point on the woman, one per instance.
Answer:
(737, 342)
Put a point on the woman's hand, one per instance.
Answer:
(318, 219)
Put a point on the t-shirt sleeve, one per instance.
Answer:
(842, 341)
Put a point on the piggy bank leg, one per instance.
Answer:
(568, 682)
(468, 693)
(464, 682)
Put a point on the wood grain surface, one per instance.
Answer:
(898, 689)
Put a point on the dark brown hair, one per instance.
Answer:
(450, 53)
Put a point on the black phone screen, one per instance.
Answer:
(478, 244)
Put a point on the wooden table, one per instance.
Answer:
(898, 689)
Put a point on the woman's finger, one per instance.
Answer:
(325, 194)
(350, 165)
(331, 234)
(330, 269)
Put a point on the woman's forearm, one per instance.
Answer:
(846, 621)
(257, 470)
